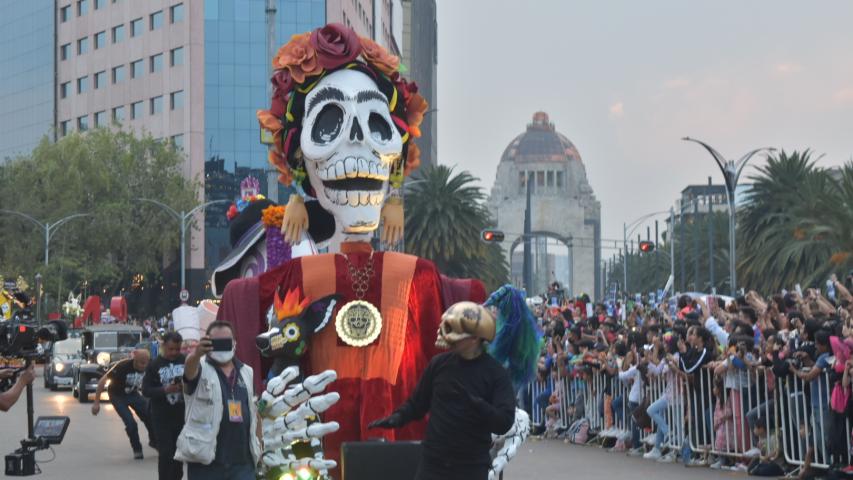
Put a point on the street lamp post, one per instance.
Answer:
(48, 228)
(183, 219)
(731, 173)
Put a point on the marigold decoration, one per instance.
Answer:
(299, 65)
(291, 305)
(271, 216)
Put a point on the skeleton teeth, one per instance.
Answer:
(375, 198)
(351, 167)
(352, 199)
(373, 170)
(363, 168)
(363, 198)
(329, 174)
(339, 170)
(342, 197)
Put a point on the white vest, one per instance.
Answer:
(203, 414)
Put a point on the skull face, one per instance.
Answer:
(349, 143)
(464, 320)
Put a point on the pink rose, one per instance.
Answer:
(335, 45)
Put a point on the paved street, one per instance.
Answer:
(96, 447)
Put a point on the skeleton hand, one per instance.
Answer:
(290, 415)
(505, 446)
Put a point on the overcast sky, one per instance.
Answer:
(625, 80)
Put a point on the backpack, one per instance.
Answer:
(578, 432)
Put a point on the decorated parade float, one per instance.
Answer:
(339, 333)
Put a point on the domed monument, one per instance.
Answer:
(565, 216)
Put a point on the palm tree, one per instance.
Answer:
(445, 213)
(796, 227)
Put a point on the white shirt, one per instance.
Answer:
(632, 376)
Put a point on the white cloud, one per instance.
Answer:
(844, 95)
(677, 82)
(786, 68)
(617, 110)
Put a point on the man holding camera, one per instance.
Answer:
(221, 436)
(9, 397)
(125, 379)
(163, 386)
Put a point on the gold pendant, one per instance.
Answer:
(358, 323)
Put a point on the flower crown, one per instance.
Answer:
(308, 57)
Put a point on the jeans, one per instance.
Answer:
(616, 404)
(167, 427)
(123, 404)
(635, 429)
(657, 411)
(219, 471)
(753, 415)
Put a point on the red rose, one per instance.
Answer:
(282, 81)
(335, 45)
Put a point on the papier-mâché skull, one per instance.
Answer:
(349, 142)
(464, 320)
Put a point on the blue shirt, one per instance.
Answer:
(820, 386)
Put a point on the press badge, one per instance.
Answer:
(235, 411)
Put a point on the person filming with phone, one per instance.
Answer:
(221, 435)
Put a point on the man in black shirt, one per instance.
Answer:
(125, 379)
(469, 397)
(162, 385)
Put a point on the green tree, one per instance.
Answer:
(445, 213)
(101, 173)
(796, 227)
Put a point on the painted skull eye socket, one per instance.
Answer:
(328, 124)
(291, 332)
(379, 128)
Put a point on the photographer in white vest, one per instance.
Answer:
(221, 435)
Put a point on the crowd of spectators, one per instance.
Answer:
(721, 360)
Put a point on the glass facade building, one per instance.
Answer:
(235, 87)
(27, 34)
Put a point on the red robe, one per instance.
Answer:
(372, 380)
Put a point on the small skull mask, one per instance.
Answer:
(464, 320)
(349, 143)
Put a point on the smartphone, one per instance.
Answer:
(222, 344)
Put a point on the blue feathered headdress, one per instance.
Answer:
(518, 340)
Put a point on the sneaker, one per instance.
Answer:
(740, 467)
(653, 454)
(695, 462)
(752, 453)
(649, 440)
(137, 455)
(718, 464)
(668, 458)
(637, 452)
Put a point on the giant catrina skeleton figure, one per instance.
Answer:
(343, 122)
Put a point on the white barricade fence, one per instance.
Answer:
(716, 413)
(808, 422)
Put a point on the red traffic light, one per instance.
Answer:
(491, 236)
(647, 246)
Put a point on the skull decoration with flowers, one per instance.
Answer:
(342, 122)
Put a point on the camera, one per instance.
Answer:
(21, 338)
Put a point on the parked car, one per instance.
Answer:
(103, 345)
(61, 359)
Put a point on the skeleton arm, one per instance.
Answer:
(290, 415)
(505, 446)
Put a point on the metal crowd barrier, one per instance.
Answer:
(714, 418)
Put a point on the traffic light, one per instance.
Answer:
(492, 236)
(647, 247)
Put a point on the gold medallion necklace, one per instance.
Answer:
(358, 323)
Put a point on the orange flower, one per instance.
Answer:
(272, 216)
(377, 56)
(838, 258)
(413, 159)
(298, 57)
(415, 109)
(280, 163)
(269, 121)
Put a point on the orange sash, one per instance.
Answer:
(382, 358)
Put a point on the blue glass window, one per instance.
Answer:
(64, 89)
(101, 119)
(118, 33)
(118, 114)
(65, 51)
(100, 39)
(156, 104)
(176, 12)
(100, 79)
(176, 56)
(82, 45)
(136, 27)
(156, 20)
(136, 110)
(83, 84)
(64, 13)
(83, 123)
(118, 74)
(176, 100)
(136, 69)
(82, 7)
(157, 63)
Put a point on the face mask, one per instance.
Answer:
(221, 357)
